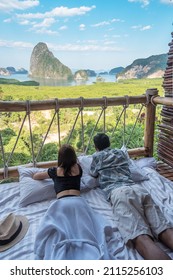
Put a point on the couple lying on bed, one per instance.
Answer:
(72, 230)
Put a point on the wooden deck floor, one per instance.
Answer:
(165, 170)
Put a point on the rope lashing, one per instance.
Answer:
(2, 149)
(4, 161)
(94, 128)
(125, 106)
(119, 118)
(58, 120)
(135, 124)
(71, 132)
(104, 112)
(49, 127)
(28, 110)
(82, 122)
(151, 100)
(124, 121)
(17, 139)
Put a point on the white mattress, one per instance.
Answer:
(160, 189)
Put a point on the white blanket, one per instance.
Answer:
(160, 189)
(72, 230)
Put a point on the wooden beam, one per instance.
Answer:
(24, 106)
(163, 101)
(150, 121)
(13, 171)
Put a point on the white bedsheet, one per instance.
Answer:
(160, 189)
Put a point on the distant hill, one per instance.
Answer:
(81, 75)
(16, 82)
(151, 67)
(116, 70)
(84, 74)
(43, 64)
(11, 70)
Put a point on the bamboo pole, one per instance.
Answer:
(138, 152)
(21, 106)
(150, 121)
(163, 100)
(13, 171)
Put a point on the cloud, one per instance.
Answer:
(46, 31)
(83, 48)
(11, 5)
(25, 22)
(48, 18)
(103, 23)
(109, 43)
(143, 2)
(82, 27)
(147, 27)
(63, 27)
(167, 1)
(141, 28)
(7, 20)
(58, 12)
(136, 27)
(15, 44)
(47, 22)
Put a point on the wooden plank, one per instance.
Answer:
(150, 122)
(13, 171)
(19, 106)
(165, 170)
(163, 100)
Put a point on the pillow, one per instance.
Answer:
(137, 174)
(87, 181)
(31, 190)
(146, 162)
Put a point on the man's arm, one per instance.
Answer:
(93, 169)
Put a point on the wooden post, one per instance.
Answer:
(150, 121)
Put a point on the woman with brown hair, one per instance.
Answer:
(67, 175)
(70, 229)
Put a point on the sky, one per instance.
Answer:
(85, 34)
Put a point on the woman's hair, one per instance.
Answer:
(101, 141)
(66, 158)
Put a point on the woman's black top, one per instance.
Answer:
(63, 183)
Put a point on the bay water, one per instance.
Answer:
(53, 82)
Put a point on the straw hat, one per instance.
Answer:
(12, 229)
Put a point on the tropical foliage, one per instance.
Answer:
(46, 150)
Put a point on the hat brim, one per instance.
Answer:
(25, 226)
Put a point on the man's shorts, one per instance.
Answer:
(136, 213)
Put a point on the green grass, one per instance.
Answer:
(126, 87)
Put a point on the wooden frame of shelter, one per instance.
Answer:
(150, 99)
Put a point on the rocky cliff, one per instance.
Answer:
(81, 75)
(151, 67)
(43, 64)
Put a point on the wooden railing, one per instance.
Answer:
(148, 100)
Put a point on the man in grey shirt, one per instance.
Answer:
(137, 216)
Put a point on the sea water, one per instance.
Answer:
(52, 82)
